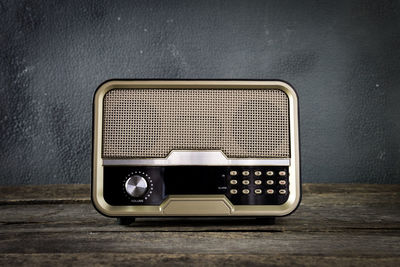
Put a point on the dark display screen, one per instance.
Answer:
(194, 180)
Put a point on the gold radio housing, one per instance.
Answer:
(196, 205)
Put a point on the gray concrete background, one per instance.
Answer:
(342, 57)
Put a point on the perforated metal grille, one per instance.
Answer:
(150, 123)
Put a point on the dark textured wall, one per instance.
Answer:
(342, 57)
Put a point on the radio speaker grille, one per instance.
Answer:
(150, 123)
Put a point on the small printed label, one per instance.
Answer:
(137, 200)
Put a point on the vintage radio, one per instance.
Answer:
(195, 148)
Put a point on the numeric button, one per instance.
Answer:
(245, 182)
(233, 191)
(246, 191)
(233, 182)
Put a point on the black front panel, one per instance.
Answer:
(266, 185)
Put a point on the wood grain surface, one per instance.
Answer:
(336, 224)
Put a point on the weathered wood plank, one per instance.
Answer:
(195, 259)
(311, 243)
(318, 212)
(42, 194)
(333, 226)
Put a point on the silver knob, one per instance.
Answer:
(136, 186)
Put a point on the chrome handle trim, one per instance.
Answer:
(196, 158)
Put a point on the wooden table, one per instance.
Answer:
(336, 224)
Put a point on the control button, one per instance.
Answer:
(245, 182)
(245, 191)
(257, 182)
(282, 173)
(270, 191)
(245, 173)
(270, 182)
(257, 173)
(282, 182)
(270, 173)
(233, 182)
(258, 191)
(233, 191)
(136, 186)
(282, 191)
(233, 173)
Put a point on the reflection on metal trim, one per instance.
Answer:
(204, 205)
(206, 158)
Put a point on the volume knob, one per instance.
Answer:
(136, 186)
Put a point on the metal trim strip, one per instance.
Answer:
(196, 158)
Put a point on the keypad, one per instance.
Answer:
(258, 186)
